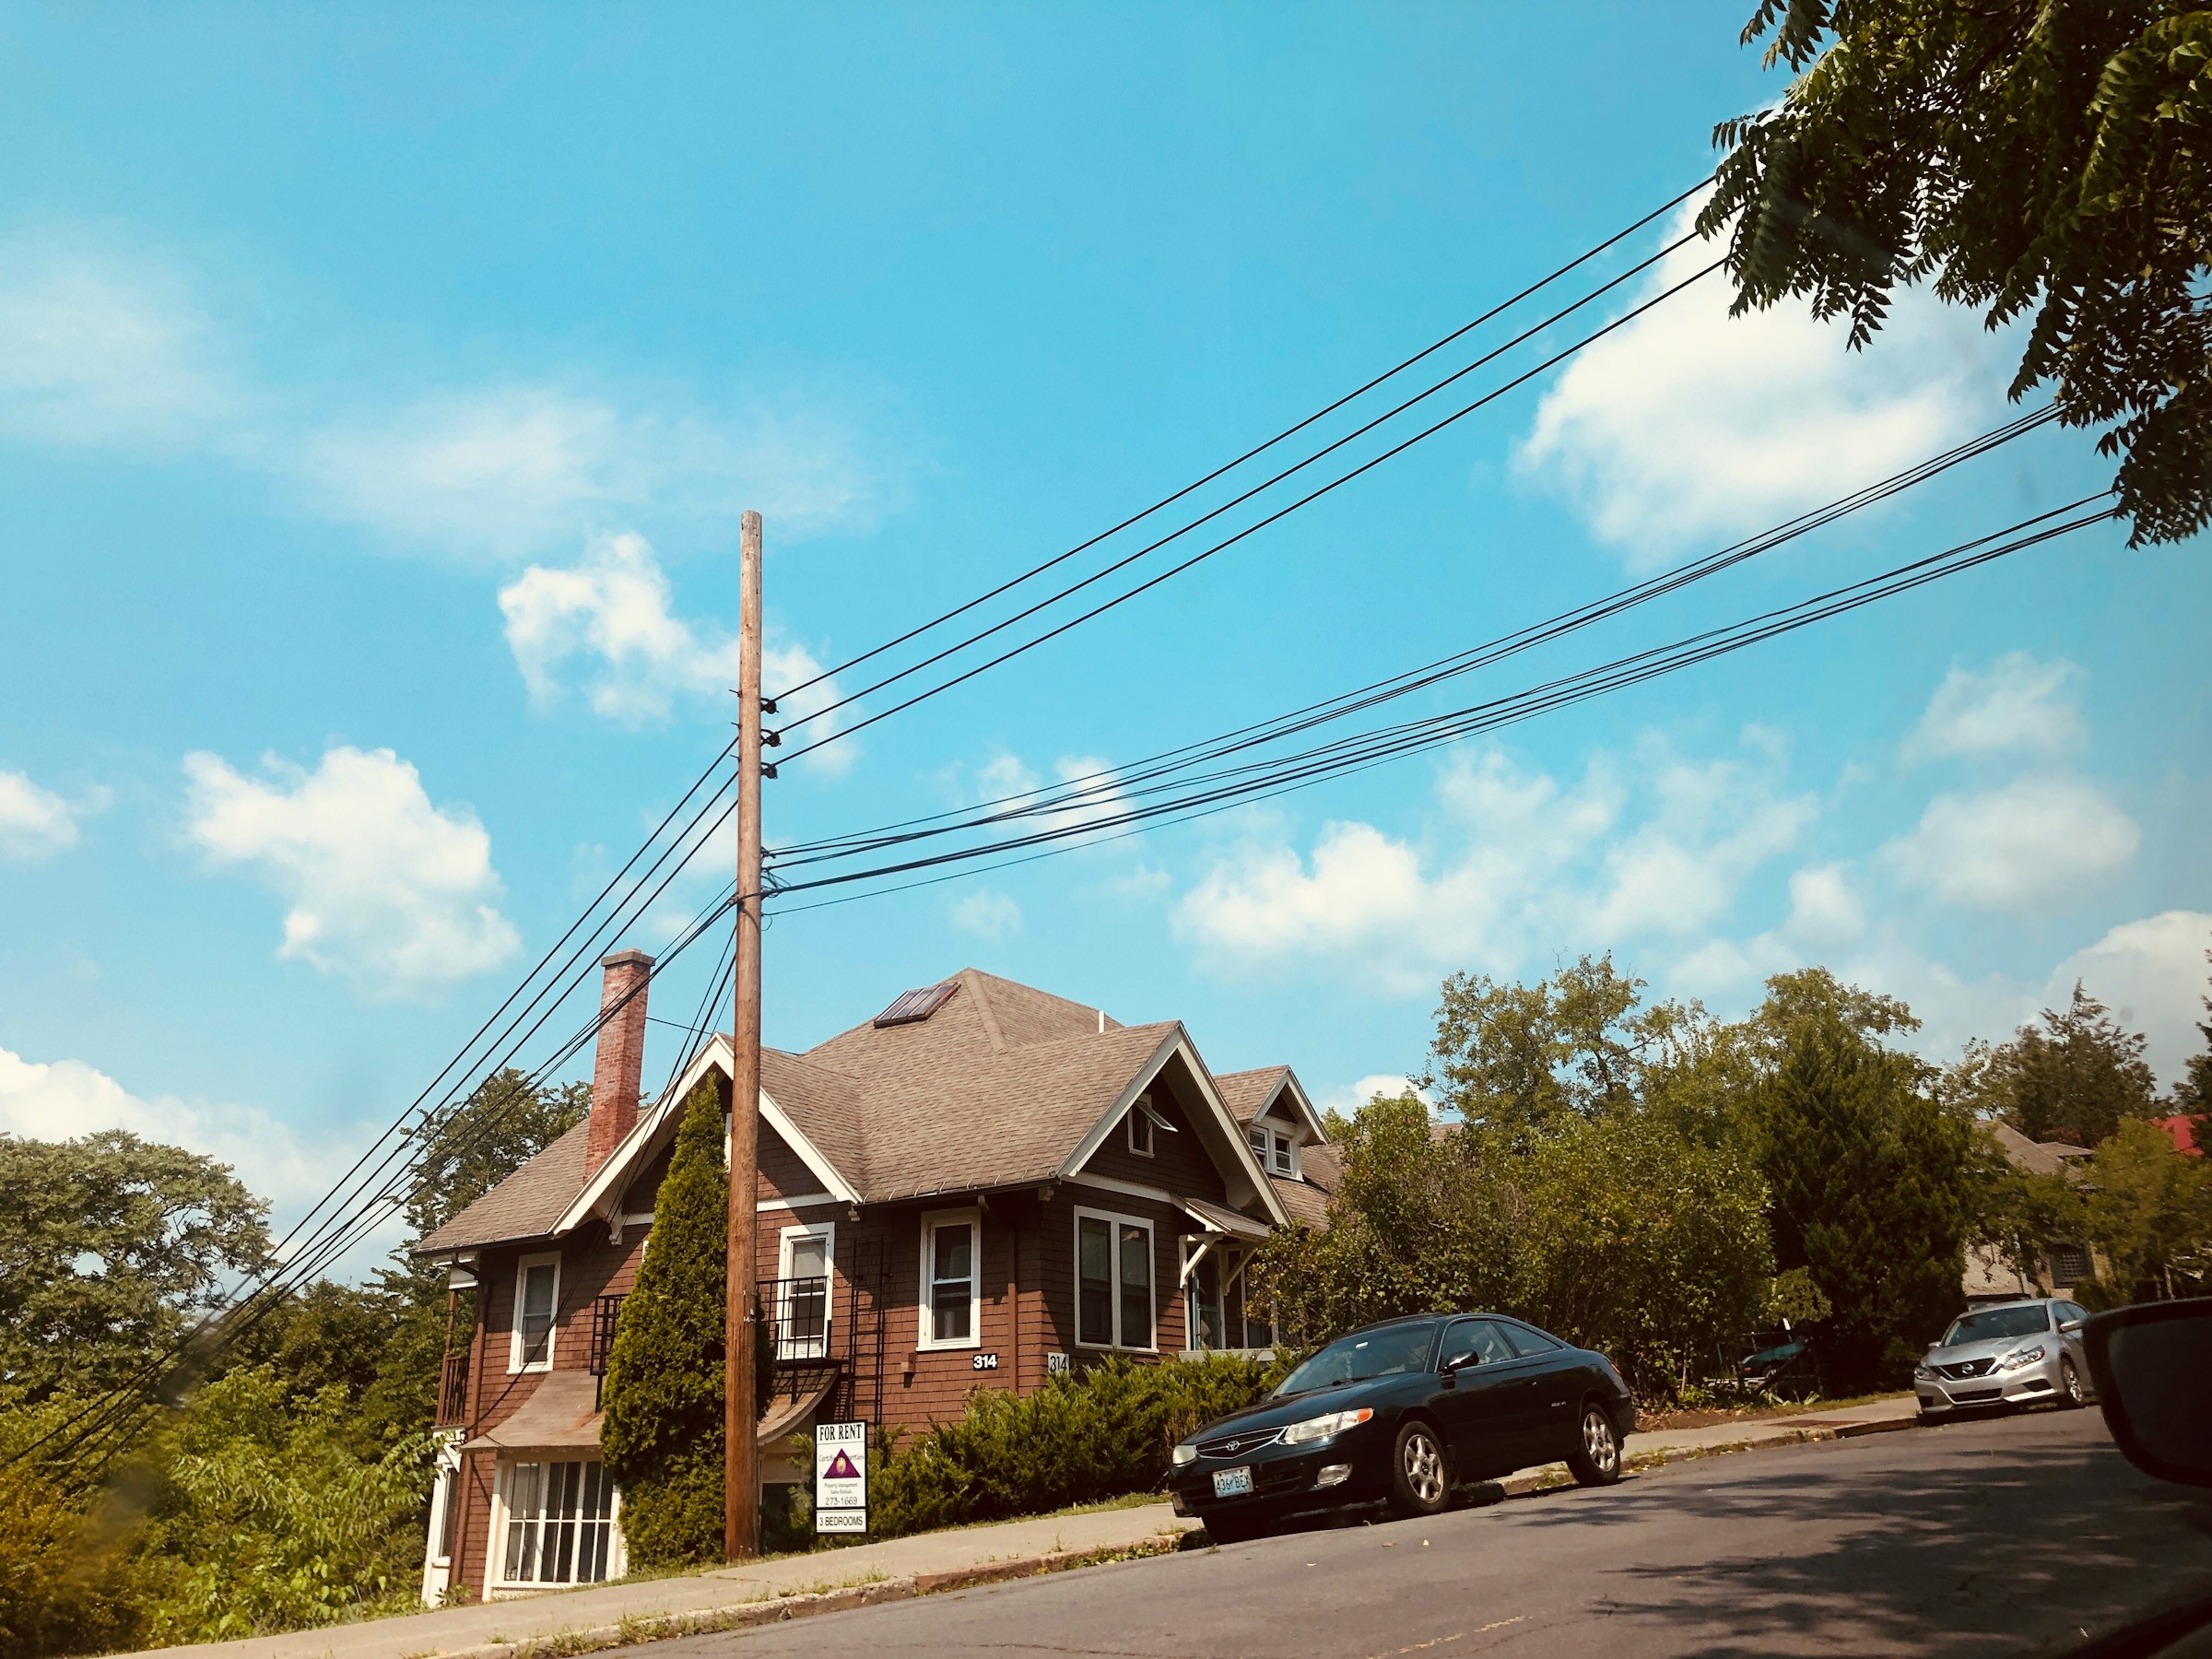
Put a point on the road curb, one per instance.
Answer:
(778, 1610)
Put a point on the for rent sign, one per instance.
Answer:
(840, 1477)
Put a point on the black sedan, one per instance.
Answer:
(1400, 1413)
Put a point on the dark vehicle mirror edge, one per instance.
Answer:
(2149, 1363)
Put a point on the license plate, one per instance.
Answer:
(1231, 1483)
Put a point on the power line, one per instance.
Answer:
(1375, 747)
(1258, 449)
(1280, 514)
(1072, 793)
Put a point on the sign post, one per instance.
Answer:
(840, 1477)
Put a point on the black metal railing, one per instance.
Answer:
(605, 1311)
(453, 1390)
(799, 1317)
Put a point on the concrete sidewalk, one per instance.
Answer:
(581, 1620)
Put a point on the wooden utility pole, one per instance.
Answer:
(740, 1467)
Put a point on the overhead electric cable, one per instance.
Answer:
(1169, 574)
(1227, 467)
(1073, 792)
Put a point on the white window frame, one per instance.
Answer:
(617, 1553)
(1266, 1141)
(827, 1233)
(926, 1338)
(514, 1343)
(1139, 1115)
(1113, 1218)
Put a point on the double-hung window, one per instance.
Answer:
(537, 1304)
(951, 1279)
(1277, 1152)
(559, 1524)
(804, 1291)
(1114, 1281)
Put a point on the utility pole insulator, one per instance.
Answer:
(741, 1463)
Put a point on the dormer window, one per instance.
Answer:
(1277, 1151)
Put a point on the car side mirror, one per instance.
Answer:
(2068, 1326)
(2149, 1364)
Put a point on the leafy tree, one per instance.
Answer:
(662, 1436)
(269, 1520)
(2193, 1094)
(1520, 1057)
(1869, 1173)
(2042, 161)
(110, 1247)
(64, 1579)
(2149, 1208)
(2075, 1077)
(506, 1121)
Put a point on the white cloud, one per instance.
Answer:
(1089, 791)
(63, 1099)
(2035, 841)
(613, 612)
(34, 823)
(1514, 867)
(1353, 1096)
(2016, 703)
(1824, 912)
(1689, 423)
(2152, 974)
(383, 887)
(108, 347)
(100, 351)
(987, 914)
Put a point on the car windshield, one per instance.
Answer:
(1363, 1355)
(1993, 1324)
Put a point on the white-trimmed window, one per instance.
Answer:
(559, 1524)
(952, 1282)
(806, 1290)
(1277, 1151)
(536, 1312)
(1138, 1127)
(1114, 1307)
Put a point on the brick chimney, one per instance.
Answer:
(618, 1059)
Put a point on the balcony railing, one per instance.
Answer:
(798, 1315)
(453, 1390)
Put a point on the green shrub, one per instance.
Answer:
(1103, 1434)
(65, 1577)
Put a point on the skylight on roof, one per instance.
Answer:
(917, 1006)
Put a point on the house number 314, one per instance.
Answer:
(985, 1361)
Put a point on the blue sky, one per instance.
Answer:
(378, 394)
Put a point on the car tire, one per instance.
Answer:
(1420, 1478)
(1595, 1460)
(2070, 1395)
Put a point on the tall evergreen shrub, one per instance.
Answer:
(662, 1436)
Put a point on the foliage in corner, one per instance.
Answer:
(2041, 161)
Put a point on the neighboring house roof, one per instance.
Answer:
(2037, 1157)
(1002, 1085)
(1307, 1199)
(2183, 1133)
(1248, 1093)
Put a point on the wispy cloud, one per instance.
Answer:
(2018, 702)
(35, 823)
(108, 348)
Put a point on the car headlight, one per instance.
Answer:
(2019, 1357)
(1921, 1374)
(1183, 1454)
(1321, 1427)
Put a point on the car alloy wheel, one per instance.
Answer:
(1420, 1485)
(1597, 1462)
(2069, 1384)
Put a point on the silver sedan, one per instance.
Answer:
(2010, 1354)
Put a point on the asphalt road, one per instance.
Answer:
(2024, 1534)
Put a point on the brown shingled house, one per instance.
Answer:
(983, 1184)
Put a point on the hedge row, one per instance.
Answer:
(1104, 1433)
